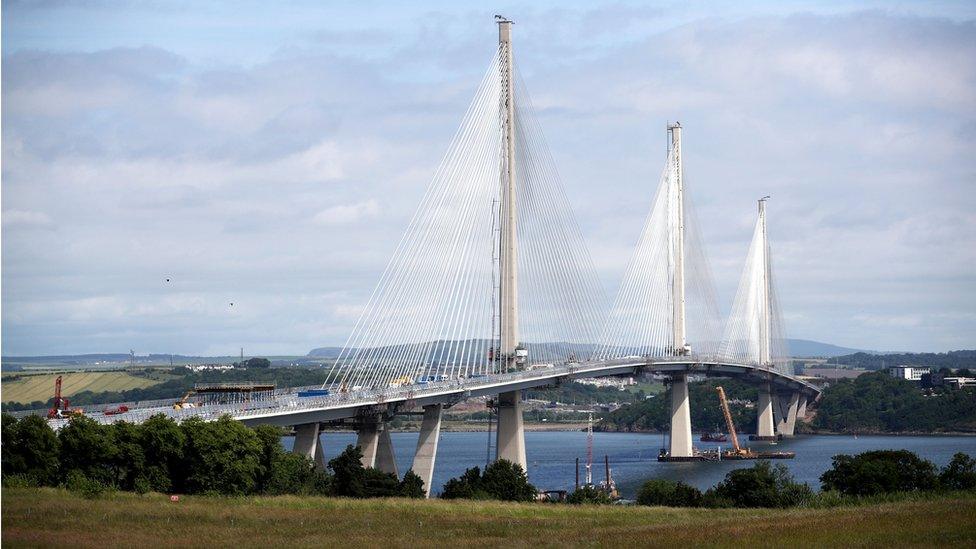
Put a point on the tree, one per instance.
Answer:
(466, 486)
(87, 447)
(256, 363)
(412, 486)
(762, 485)
(221, 457)
(349, 475)
(30, 448)
(669, 493)
(589, 495)
(960, 474)
(507, 481)
(128, 461)
(879, 472)
(379, 484)
(296, 474)
(162, 443)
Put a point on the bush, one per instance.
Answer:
(412, 486)
(507, 481)
(879, 472)
(589, 495)
(30, 449)
(466, 486)
(89, 488)
(762, 485)
(960, 474)
(222, 457)
(669, 493)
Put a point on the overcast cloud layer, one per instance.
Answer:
(272, 159)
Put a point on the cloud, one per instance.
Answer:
(20, 218)
(347, 213)
(243, 180)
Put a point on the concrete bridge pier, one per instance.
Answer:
(801, 408)
(511, 433)
(681, 441)
(308, 444)
(788, 409)
(430, 431)
(374, 441)
(765, 427)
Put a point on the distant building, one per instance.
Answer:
(202, 367)
(911, 373)
(960, 382)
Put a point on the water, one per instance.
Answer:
(633, 456)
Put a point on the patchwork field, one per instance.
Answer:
(55, 518)
(26, 388)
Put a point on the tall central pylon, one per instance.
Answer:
(511, 433)
(508, 238)
(765, 306)
(677, 242)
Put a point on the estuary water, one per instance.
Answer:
(633, 456)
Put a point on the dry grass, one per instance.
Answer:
(49, 517)
(31, 387)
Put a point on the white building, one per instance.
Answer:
(911, 373)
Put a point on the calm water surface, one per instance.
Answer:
(633, 457)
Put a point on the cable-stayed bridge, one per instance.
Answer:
(491, 291)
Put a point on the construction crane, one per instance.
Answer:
(729, 424)
(184, 402)
(60, 408)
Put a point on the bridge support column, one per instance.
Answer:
(787, 421)
(681, 442)
(764, 429)
(801, 408)
(430, 431)
(307, 443)
(376, 445)
(511, 433)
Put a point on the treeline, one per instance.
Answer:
(850, 479)
(174, 388)
(654, 414)
(223, 457)
(877, 402)
(582, 393)
(868, 361)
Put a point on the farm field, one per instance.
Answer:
(56, 518)
(28, 388)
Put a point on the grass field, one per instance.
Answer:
(30, 387)
(49, 517)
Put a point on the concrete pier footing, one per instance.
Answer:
(308, 443)
(765, 428)
(511, 433)
(788, 409)
(377, 447)
(681, 441)
(424, 458)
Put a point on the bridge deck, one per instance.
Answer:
(286, 408)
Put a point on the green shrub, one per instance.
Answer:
(502, 480)
(412, 486)
(762, 485)
(669, 493)
(879, 472)
(19, 481)
(959, 474)
(79, 483)
(589, 495)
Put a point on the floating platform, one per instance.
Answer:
(758, 438)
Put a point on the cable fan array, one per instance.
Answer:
(751, 318)
(641, 321)
(434, 313)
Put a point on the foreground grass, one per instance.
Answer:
(49, 517)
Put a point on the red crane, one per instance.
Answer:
(60, 404)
